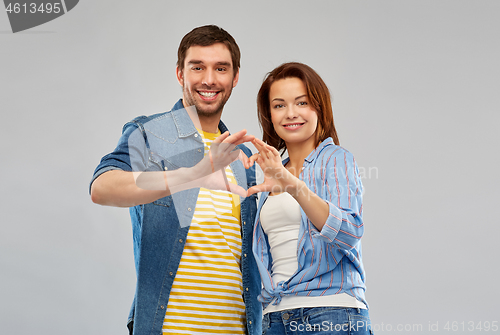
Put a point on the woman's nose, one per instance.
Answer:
(291, 112)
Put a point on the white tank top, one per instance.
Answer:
(280, 218)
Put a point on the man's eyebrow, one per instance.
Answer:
(196, 62)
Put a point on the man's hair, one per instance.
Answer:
(206, 36)
(317, 93)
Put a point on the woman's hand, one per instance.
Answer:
(277, 178)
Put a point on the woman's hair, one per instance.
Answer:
(317, 93)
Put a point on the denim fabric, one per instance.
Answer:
(318, 320)
(160, 228)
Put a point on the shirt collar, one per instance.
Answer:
(312, 156)
(183, 123)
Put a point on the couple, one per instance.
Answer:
(208, 259)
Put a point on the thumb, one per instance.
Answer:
(244, 159)
(256, 189)
(237, 189)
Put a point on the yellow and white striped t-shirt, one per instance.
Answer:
(206, 296)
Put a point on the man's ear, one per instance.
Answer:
(179, 75)
(236, 78)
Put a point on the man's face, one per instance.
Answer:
(208, 78)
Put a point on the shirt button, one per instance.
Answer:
(195, 135)
(199, 150)
(189, 209)
(180, 240)
(286, 316)
(245, 255)
(166, 168)
(171, 273)
(250, 322)
(162, 307)
(244, 222)
(246, 289)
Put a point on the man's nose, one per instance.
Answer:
(209, 78)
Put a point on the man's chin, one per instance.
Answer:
(209, 110)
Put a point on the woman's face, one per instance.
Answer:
(293, 117)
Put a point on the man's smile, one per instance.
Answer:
(208, 95)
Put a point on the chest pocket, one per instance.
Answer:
(163, 165)
(165, 201)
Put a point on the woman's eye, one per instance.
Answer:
(278, 106)
(302, 103)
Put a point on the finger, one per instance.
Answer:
(235, 139)
(267, 146)
(274, 151)
(253, 158)
(258, 146)
(260, 142)
(257, 143)
(244, 159)
(221, 137)
(263, 147)
(244, 139)
(237, 189)
(233, 188)
(265, 152)
(256, 189)
(236, 136)
(269, 149)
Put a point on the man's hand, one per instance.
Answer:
(222, 153)
(210, 171)
(127, 189)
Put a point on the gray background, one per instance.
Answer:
(415, 86)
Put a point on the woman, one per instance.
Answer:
(309, 224)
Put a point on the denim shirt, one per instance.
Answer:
(170, 141)
(330, 260)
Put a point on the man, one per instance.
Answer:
(192, 246)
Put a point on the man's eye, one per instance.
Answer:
(196, 68)
(221, 69)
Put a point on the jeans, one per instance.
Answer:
(317, 320)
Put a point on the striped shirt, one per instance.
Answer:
(329, 261)
(206, 296)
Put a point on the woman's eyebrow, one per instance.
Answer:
(297, 98)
